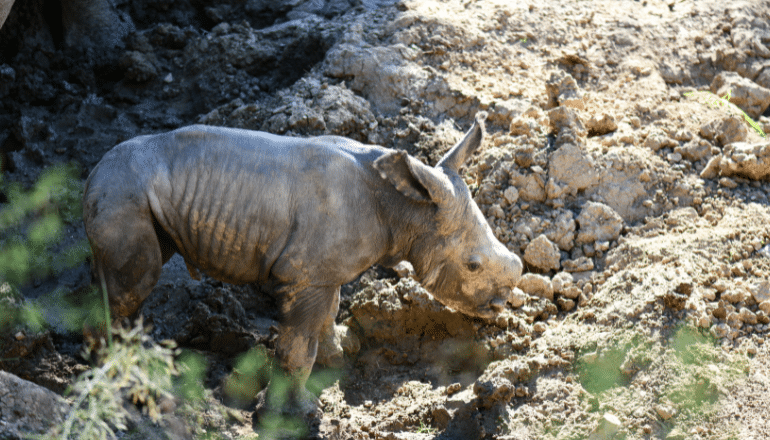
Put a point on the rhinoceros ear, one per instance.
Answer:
(463, 150)
(412, 178)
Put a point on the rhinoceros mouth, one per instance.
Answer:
(490, 309)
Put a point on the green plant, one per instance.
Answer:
(135, 368)
(714, 101)
(426, 429)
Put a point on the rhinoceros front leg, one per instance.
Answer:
(305, 312)
(335, 340)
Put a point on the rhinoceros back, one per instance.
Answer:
(232, 200)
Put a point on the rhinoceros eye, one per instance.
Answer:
(473, 266)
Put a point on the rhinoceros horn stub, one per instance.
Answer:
(457, 156)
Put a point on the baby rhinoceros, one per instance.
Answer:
(303, 214)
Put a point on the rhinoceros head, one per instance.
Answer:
(455, 254)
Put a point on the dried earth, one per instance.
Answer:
(642, 215)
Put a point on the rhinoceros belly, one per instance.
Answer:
(230, 221)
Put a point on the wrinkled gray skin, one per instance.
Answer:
(305, 214)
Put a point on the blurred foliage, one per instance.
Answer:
(32, 226)
(255, 370)
(693, 369)
(32, 223)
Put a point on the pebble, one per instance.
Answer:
(734, 296)
(665, 411)
(728, 182)
(517, 298)
(581, 264)
(565, 304)
(511, 194)
(562, 281)
(608, 426)
(455, 387)
(537, 285)
(760, 291)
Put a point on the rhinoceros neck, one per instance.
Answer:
(407, 222)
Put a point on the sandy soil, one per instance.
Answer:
(645, 309)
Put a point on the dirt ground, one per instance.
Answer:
(641, 214)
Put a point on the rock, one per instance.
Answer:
(553, 190)
(511, 194)
(404, 269)
(711, 170)
(728, 183)
(562, 231)
(532, 189)
(523, 126)
(747, 316)
(567, 124)
(672, 73)
(542, 253)
(722, 331)
(138, 67)
(765, 251)
(735, 295)
(562, 89)
(684, 135)
(598, 222)
(498, 382)
(96, 25)
(384, 75)
(703, 320)
(506, 111)
(518, 298)
(657, 140)
(742, 159)
(598, 126)
(581, 264)
(725, 130)
(696, 150)
(562, 281)
(345, 113)
(677, 434)
(26, 408)
(674, 300)
(760, 291)
(733, 319)
(608, 426)
(390, 312)
(565, 304)
(665, 411)
(763, 79)
(744, 93)
(537, 285)
(342, 341)
(571, 165)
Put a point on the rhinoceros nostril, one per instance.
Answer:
(497, 304)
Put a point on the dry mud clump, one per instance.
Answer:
(641, 214)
